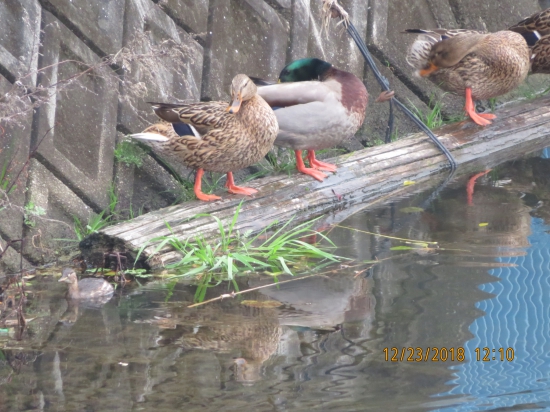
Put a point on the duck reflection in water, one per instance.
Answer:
(242, 338)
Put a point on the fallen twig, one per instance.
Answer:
(233, 294)
(388, 237)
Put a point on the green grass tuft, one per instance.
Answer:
(232, 253)
(433, 119)
(31, 211)
(129, 153)
(94, 225)
(279, 160)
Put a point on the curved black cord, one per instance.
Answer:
(386, 86)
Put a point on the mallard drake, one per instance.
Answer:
(317, 107)
(478, 65)
(224, 137)
(536, 31)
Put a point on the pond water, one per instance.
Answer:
(461, 327)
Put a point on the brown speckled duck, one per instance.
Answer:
(536, 31)
(317, 107)
(224, 137)
(478, 65)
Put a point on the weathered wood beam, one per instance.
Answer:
(363, 177)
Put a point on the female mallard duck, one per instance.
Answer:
(536, 31)
(224, 137)
(480, 65)
(317, 107)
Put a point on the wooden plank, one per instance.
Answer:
(363, 177)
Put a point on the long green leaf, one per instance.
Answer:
(192, 272)
(247, 260)
(285, 267)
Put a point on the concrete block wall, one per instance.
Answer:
(57, 90)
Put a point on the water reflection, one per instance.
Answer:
(324, 346)
(516, 319)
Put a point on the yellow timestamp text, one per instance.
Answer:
(490, 354)
(435, 354)
(410, 354)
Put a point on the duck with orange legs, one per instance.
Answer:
(317, 106)
(215, 136)
(474, 64)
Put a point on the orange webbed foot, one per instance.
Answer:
(481, 119)
(323, 166)
(206, 198)
(198, 190)
(307, 170)
(488, 116)
(317, 164)
(320, 176)
(237, 190)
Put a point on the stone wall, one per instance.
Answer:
(75, 76)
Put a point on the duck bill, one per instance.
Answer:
(429, 70)
(236, 104)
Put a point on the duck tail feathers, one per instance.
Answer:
(148, 137)
(167, 111)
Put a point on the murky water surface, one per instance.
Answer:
(464, 327)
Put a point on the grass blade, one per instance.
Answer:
(285, 267)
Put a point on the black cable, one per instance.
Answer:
(386, 86)
(389, 132)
